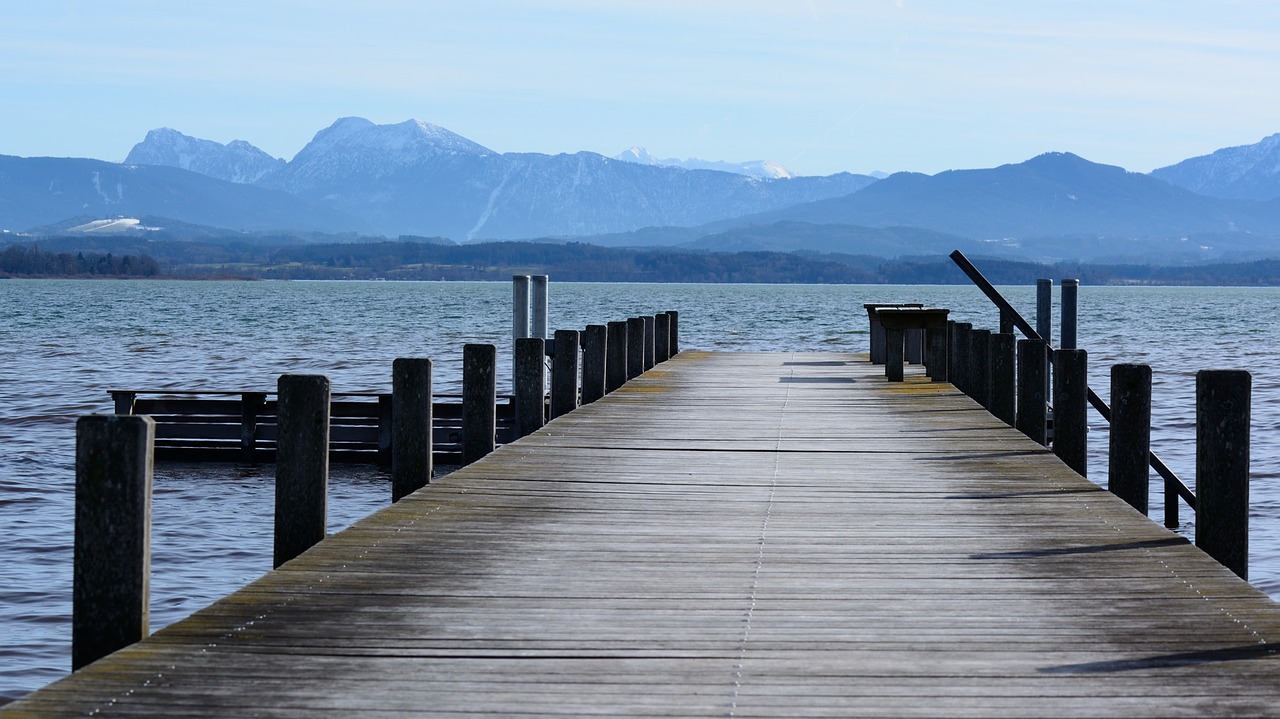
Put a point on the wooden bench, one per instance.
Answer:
(218, 426)
(877, 330)
(897, 321)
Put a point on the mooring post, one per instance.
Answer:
(615, 366)
(936, 355)
(980, 367)
(650, 340)
(302, 463)
(531, 385)
(1129, 446)
(1222, 466)
(1044, 325)
(520, 310)
(564, 373)
(635, 347)
(952, 351)
(674, 318)
(538, 306)
(595, 358)
(1070, 294)
(1004, 370)
(479, 400)
(964, 353)
(661, 338)
(112, 555)
(411, 440)
(1071, 409)
(1032, 411)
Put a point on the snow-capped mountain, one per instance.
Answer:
(236, 161)
(755, 168)
(1244, 172)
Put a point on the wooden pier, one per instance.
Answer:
(736, 534)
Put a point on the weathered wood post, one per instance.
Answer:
(1222, 466)
(674, 317)
(980, 367)
(1071, 409)
(564, 373)
(411, 440)
(876, 333)
(1070, 294)
(661, 337)
(635, 347)
(615, 366)
(935, 350)
(1044, 309)
(595, 357)
(952, 351)
(111, 577)
(479, 398)
(1032, 411)
(650, 339)
(1129, 446)
(964, 353)
(538, 306)
(531, 385)
(302, 463)
(1006, 324)
(520, 305)
(1004, 370)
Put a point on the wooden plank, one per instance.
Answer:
(729, 534)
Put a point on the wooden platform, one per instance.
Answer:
(728, 535)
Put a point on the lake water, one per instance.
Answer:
(63, 344)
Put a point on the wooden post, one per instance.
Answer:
(1071, 409)
(531, 385)
(538, 306)
(893, 354)
(1006, 324)
(936, 355)
(964, 353)
(595, 358)
(1222, 466)
(675, 332)
(1032, 412)
(386, 430)
(615, 366)
(952, 351)
(661, 338)
(1004, 371)
(1044, 309)
(980, 367)
(1129, 448)
(875, 332)
(302, 463)
(411, 440)
(479, 398)
(649, 341)
(635, 347)
(564, 373)
(519, 306)
(1070, 292)
(124, 401)
(111, 577)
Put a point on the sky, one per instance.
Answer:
(819, 86)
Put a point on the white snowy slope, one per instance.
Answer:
(1243, 171)
(236, 161)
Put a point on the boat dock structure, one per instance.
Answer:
(728, 535)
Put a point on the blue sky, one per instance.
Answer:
(819, 86)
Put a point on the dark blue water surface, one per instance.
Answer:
(63, 344)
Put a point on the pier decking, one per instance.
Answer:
(730, 534)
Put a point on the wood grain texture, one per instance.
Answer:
(775, 535)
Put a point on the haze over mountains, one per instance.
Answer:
(415, 178)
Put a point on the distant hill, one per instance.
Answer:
(41, 191)
(1243, 172)
(754, 168)
(1052, 195)
(237, 161)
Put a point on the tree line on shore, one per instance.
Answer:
(416, 259)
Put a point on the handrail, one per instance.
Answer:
(1008, 310)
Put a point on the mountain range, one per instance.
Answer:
(415, 178)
